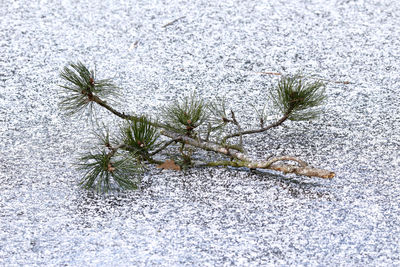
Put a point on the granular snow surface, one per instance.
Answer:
(159, 50)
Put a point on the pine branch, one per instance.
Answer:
(224, 150)
(122, 164)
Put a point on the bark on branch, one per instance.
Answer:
(245, 161)
(306, 171)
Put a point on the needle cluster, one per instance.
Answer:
(297, 98)
(140, 135)
(103, 171)
(185, 115)
(82, 86)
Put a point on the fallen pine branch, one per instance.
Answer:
(188, 124)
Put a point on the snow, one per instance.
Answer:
(212, 216)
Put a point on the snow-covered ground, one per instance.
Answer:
(203, 217)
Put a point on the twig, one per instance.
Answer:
(172, 22)
(134, 45)
(234, 121)
(164, 146)
(260, 130)
(114, 149)
(205, 145)
(102, 103)
(261, 115)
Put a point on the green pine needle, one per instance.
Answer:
(298, 99)
(80, 86)
(186, 115)
(140, 134)
(102, 172)
(218, 111)
(102, 134)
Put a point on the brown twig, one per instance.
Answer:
(172, 22)
(234, 121)
(164, 146)
(134, 45)
(109, 108)
(260, 130)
